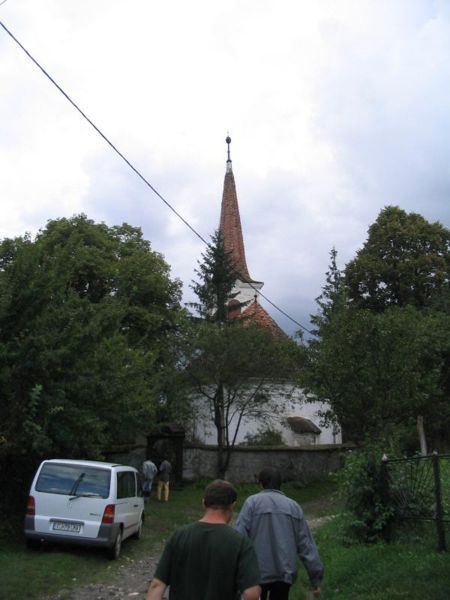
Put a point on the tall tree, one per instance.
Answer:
(381, 358)
(235, 374)
(333, 296)
(380, 371)
(217, 277)
(405, 261)
(86, 316)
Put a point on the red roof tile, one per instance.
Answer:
(256, 314)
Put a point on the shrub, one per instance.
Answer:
(265, 436)
(361, 487)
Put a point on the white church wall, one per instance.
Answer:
(287, 401)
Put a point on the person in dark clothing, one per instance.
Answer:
(209, 560)
(165, 469)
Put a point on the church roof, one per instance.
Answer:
(302, 425)
(230, 223)
(259, 316)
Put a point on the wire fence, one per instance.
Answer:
(418, 489)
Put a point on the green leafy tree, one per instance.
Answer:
(87, 317)
(380, 371)
(405, 261)
(381, 357)
(233, 372)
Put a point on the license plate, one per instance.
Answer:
(70, 527)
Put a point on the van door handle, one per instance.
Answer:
(135, 505)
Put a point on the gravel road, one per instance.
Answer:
(131, 582)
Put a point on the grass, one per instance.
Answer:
(393, 571)
(400, 570)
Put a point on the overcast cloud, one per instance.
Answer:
(336, 109)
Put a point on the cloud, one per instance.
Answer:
(335, 109)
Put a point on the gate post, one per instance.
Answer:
(385, 495)
(442, 545)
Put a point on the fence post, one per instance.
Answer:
(385, 495)
(442, 546)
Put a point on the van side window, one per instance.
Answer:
(140, 491)
(126, 484)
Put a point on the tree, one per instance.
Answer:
(217, 278)
(381, 358)
(332, 298)
(233, 372)
(405, 261)
(379, 372)
(86, 318)
(231, 364)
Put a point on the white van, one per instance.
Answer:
(84, 502)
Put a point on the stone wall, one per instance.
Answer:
(303, 464)
(200, 462)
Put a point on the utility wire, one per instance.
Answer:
(132, 167)
(116, 150)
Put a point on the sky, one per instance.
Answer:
(336, 109)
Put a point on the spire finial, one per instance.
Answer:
(228, 141)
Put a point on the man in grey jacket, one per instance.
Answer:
(280, 534)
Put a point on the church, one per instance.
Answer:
(296, 421)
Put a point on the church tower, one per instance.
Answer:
(246, 288)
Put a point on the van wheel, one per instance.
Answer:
(32, 544)
(114, 551)
(138, 534)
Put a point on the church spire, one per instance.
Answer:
(230, 222)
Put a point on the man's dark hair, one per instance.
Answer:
(270, 478)
(219, 494)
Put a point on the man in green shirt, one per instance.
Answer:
(208, 560)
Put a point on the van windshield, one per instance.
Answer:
(74, 480)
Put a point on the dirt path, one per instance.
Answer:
(132, 582)
(133, 579)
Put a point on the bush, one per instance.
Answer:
(265, 436)
(361, 487)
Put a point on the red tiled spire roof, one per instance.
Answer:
(256, 314)
(230, 223)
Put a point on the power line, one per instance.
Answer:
(107, 140)
(132, 167)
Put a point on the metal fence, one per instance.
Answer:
(418, 489)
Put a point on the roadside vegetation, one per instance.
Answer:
(359, 564)
(411, 569)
